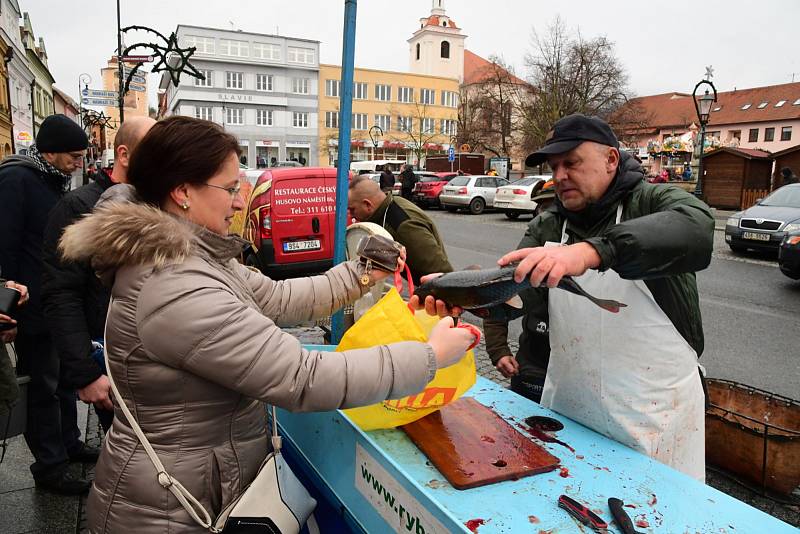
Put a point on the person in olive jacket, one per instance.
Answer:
(75, 301)
(406, 222)
(632, 375)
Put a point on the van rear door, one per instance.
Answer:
(303, 202)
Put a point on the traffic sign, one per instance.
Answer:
(134, 87)
(451, 154)
(465, 147)
(107, 102)
(137, 59)
(98, 93)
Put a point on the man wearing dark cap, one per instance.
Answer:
(29, 188)
(632, 375)
(788, 176)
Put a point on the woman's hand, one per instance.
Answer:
(378, 275)
(433, 306)
(23, 297)
(449, 343)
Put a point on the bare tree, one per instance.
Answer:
(488, 117)
(417, 130)
(569, 74)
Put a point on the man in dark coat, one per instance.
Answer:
(29, 188)
(407, 181)
(75, 301)
(387, 180)
(788, 176)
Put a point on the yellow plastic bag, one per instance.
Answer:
(390, 321)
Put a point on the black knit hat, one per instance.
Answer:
(59, 133)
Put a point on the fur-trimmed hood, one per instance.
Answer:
(122, 231)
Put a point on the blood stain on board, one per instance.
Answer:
(629, 505)
(563, 472)
(533, 519)
(487, 439)
(641, 521)
(473, 524)
(653, 500)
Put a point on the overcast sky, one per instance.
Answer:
(664, 46)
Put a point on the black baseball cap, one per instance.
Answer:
(571, 131)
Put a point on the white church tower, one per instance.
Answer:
(437, 47)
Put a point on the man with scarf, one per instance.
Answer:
(29, 188)
(633, 375)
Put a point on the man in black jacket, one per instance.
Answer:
(387, 180)
(29, 188)
(75, 301)
(407, 181)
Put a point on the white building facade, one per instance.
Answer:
(20, 76)
(437, 47)
(262, 88)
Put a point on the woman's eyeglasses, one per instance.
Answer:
(232, 191)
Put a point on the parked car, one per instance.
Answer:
(475, 193)
(789, 256)
(764, 226)
(291, 223)
(250, 175)
(426, 192)
(516, 198)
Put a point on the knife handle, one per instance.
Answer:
(621, 516)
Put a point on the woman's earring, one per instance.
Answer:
(185, 206)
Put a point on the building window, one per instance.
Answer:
(780, 103)
(427, 125)
(299, 119)
(264, 117)
(234, 116)
(264, 82)
(359, 121)
(405, 94)
(384, 122)
(229, 47)
(769, 134)
(300, 55)
(786, 133)
(449, 99)
(448, 126)
(234, 80)
(417, 51)
(207, 82)
(331, 119)
(405, 124)
(746, 106)
(383, 92)
(427, 96)
(359, 90)
(267, 51)
(300, 86)
(332, 88)
(203, 45)
(203, 112)
(445, 50)
(762, 105)
(753, 135)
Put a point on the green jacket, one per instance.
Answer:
(412, 228)
(664, 237)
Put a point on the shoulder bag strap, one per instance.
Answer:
(189, 502)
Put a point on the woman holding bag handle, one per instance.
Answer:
(194, 339)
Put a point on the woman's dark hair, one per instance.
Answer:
(178, 150)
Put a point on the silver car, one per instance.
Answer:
(475, 193)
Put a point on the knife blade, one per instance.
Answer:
(621, 516)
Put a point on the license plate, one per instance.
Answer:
(294, 246)
(500, 204)
(755, 236)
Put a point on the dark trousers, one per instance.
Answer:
(106, 417)
(52, 432)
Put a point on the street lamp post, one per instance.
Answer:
(375, 134)
(702, 106)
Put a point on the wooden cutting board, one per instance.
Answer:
(473, 446)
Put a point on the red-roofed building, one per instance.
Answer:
(437, 47)
(764, 118)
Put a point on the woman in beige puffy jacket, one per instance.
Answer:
(194, 338)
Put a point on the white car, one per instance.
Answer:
(475, 193)
(516, 198)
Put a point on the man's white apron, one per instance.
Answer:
(628, 375)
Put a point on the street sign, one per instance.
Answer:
(107, 102)
(465, 147)
(137, 59)
(134, 87)
(138, 79)
(98, 93)
(451, 154)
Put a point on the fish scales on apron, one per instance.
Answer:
(628, 375)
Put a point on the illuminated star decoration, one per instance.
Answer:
(163, 54)
(709, 72)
